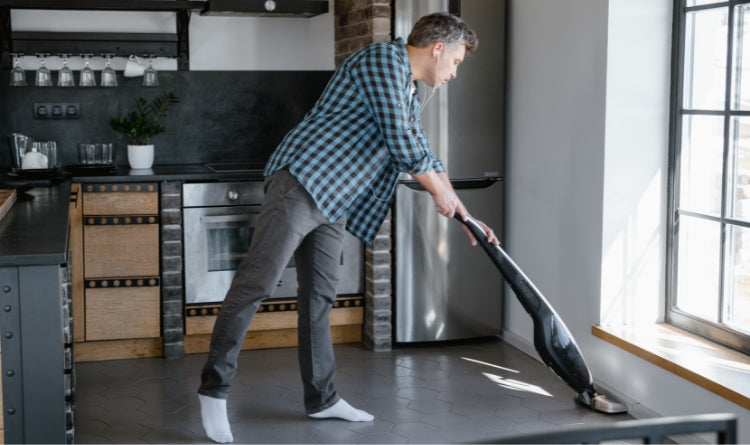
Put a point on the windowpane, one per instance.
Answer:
(739, 169)
(698, 268)
(705, 59)
(741, 57)
(701, 164)
(737, 280)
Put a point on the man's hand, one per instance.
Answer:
(491, 237)
(439, 187)
(447, 202)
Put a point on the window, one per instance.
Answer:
(709, 263)
(709, 252)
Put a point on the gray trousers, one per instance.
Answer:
(289, 224)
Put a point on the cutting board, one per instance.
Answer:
(7, 199)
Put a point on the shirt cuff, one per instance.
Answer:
(438, 166)
(421, 166)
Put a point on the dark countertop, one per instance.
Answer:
(175, 172)
(35, 230)
(169, 172)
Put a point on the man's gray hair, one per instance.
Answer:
(445, 28)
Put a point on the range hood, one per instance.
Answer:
(266, 8)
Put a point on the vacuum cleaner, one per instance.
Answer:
(552, 339)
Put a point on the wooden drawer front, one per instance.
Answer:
(121, 313)
(120, 199)
(127, 250)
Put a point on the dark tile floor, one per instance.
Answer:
(446, 393)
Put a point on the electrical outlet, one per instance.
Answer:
(56, 110)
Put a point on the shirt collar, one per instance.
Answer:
(404, 54)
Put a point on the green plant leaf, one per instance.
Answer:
(141, 124)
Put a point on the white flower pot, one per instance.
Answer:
(141, 156)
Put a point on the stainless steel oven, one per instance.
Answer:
(219, 221)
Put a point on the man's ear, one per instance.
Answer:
(437, 48)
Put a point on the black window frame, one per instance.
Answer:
(714, 331)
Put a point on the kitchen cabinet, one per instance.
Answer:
(37, 364)
(117, 285)
(2, 423)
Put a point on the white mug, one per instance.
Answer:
(133, 67)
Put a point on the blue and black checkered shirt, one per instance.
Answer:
(362, 132)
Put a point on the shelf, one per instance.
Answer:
(105, 5)
(95, 43)
(118, 44)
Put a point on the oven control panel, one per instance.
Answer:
(210, 194)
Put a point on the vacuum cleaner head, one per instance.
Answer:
(600, 402)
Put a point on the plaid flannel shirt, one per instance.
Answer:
(362, 132)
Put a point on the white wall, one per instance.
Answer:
(216, 43)
(586, 175)
(556, 109)
(259, 43)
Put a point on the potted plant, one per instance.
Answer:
(140, 125)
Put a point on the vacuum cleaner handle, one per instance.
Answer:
(552, 339)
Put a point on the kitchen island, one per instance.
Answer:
(37, 358)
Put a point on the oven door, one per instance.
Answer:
(216, 241)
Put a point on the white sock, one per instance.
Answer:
(343, 410)
(214, 417)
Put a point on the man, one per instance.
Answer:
(336, 172)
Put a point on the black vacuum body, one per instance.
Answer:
(552, 339)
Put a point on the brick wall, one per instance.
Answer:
(358, 24)
(171, 270)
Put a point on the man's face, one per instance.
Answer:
(448, 60)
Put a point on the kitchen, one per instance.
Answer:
(557, 62)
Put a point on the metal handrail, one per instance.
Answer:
(648, 430)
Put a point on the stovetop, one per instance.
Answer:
(235, 167)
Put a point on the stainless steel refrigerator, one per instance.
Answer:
(445, 289)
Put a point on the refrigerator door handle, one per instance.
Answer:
(458, 184)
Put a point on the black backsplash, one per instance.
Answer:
(223, 116)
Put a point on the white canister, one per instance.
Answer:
(34, 160)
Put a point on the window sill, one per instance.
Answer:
(718, 369)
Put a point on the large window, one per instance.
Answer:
(709, 263)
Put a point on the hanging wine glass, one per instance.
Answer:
(17, 74)
(109, 77)
(149, 75)
(65, 75)
(87, 78)
(43, 74)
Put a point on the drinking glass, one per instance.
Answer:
(83, 153)
(107, 153)
(65, 76)
(43, 75)
(87, 154)
(87, 74)
(149, 75)
(109, 77)
(17, 74)
(52, 154)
